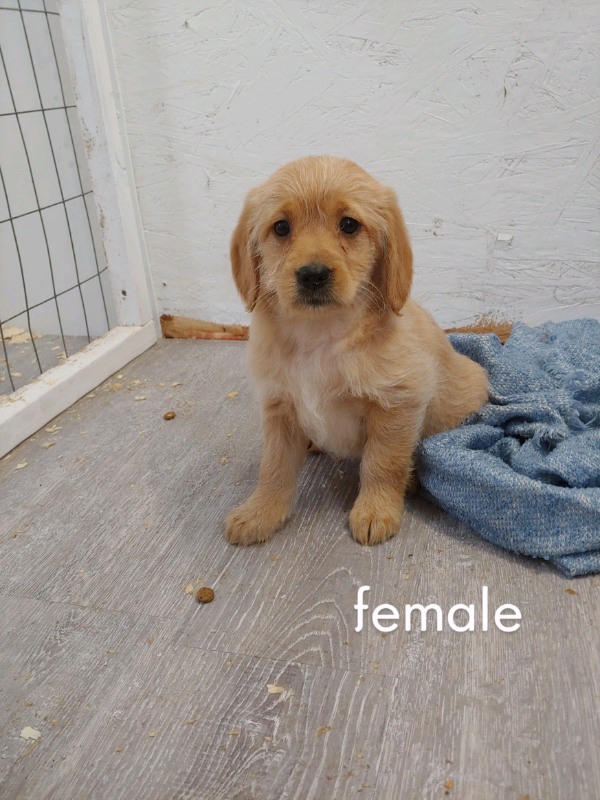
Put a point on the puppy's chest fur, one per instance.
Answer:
(315, 382)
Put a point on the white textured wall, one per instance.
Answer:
(484, 116)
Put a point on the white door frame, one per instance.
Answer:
(89, 53)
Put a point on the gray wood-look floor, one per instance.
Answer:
(140, 692)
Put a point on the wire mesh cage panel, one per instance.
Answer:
(55, 295)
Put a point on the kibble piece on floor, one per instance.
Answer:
(169, 415)
(205, 595)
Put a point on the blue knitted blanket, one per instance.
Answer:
(524, 471)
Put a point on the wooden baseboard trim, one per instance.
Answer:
(185, 328)
(174, 327)
(486, 325)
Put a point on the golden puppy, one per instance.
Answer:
(341, 356)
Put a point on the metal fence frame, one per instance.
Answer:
(89, 53)
(28, 308)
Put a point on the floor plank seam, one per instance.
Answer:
(273, 659)
(132, 612)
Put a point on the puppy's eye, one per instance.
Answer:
(281, 228)
(349, 225)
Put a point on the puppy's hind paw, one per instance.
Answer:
(372, 524)
(255, 521)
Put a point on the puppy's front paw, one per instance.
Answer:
(255, 520)
(374, 520)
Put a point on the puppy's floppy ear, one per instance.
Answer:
(396, 255)
(244, 258)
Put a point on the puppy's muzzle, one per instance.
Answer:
(314, 283)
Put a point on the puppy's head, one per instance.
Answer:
(320, 234)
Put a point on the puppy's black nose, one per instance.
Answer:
(313, 276)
